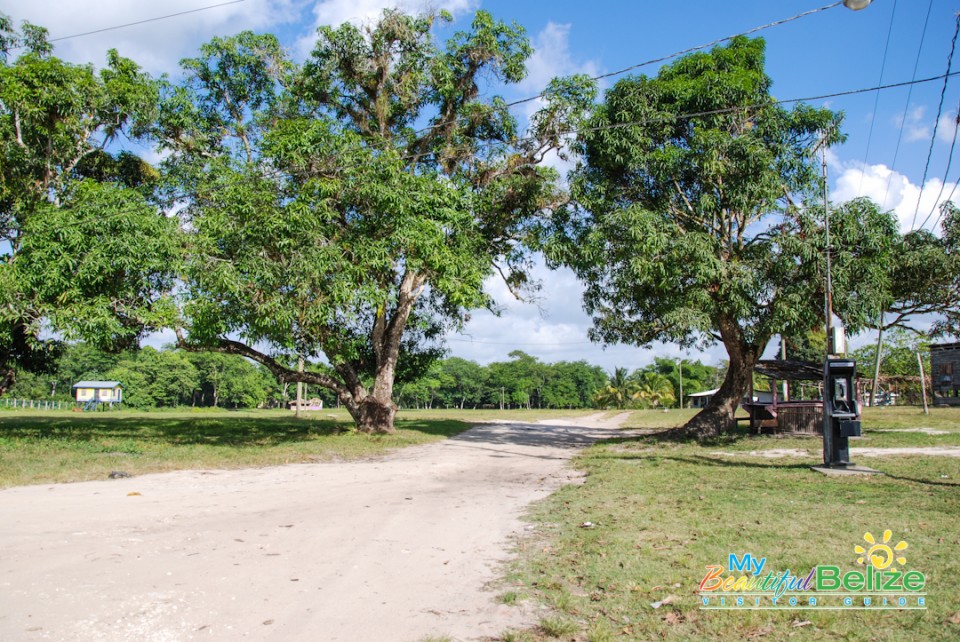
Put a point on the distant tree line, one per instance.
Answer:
(171, 378)
(158, 378)
(522, 382)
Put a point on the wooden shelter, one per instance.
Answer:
(786, 415)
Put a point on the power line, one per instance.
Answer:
(936, 123)
(726, 110)
(876, 100)
(140, 22)
(950, 198)
(691, 49)
(906, 107)
(946, 172)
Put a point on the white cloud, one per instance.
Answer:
(359, 12)
(913, 126)
(892, 191)
(947, 128)
(554, 328)
(552, 58)
(157, 45)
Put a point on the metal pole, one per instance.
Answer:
(299, 388)
(828, 296)
(785, 386)
(923, 385)
(680, 369)
(827, 312)
(876, 363)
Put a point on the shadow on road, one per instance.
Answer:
(532, 436)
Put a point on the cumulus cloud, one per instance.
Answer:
(947, 128)
(359, 12)
(553, 328)
(552, 58)
(913, 125)
(892, 191)
(157, 45)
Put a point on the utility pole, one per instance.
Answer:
(841, 414)
(680, 370)
(299, 388)
(784, 385)
(923, 385)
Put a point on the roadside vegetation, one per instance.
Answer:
(660, 511)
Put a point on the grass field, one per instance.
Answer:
(662, 511)
(62, 446)
(41, 447)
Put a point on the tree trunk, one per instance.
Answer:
(8, 376)
(373, 416)
(719, 414)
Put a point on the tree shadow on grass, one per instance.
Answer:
(727, 462)
(223, 430)
(706, 460)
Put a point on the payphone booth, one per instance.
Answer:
(841, 412)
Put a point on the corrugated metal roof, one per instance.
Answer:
(705, 393)
(97, 384)
(936, 347)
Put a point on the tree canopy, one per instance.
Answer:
(82, 251)
(690, 223)
(352, 207)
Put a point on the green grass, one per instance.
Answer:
(663, 511)
(42, 447)
(62, 446)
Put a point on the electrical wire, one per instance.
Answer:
(691, 49)
(950, 198)
(943, 185)
(141, 22)
(726, 110)
(906, 107)
(936, 123)
(876, 100)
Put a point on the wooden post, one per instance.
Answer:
(923, 385)
(876, 363)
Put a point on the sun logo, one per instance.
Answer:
(880, 555)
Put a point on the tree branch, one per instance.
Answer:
(283, 373)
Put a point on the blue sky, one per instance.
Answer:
(830, 51)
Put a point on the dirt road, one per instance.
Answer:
(398, 548)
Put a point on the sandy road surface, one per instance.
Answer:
(397, 548)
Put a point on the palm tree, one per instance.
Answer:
(618, 391)
(654, 390)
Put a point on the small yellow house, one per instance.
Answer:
(99, 391)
